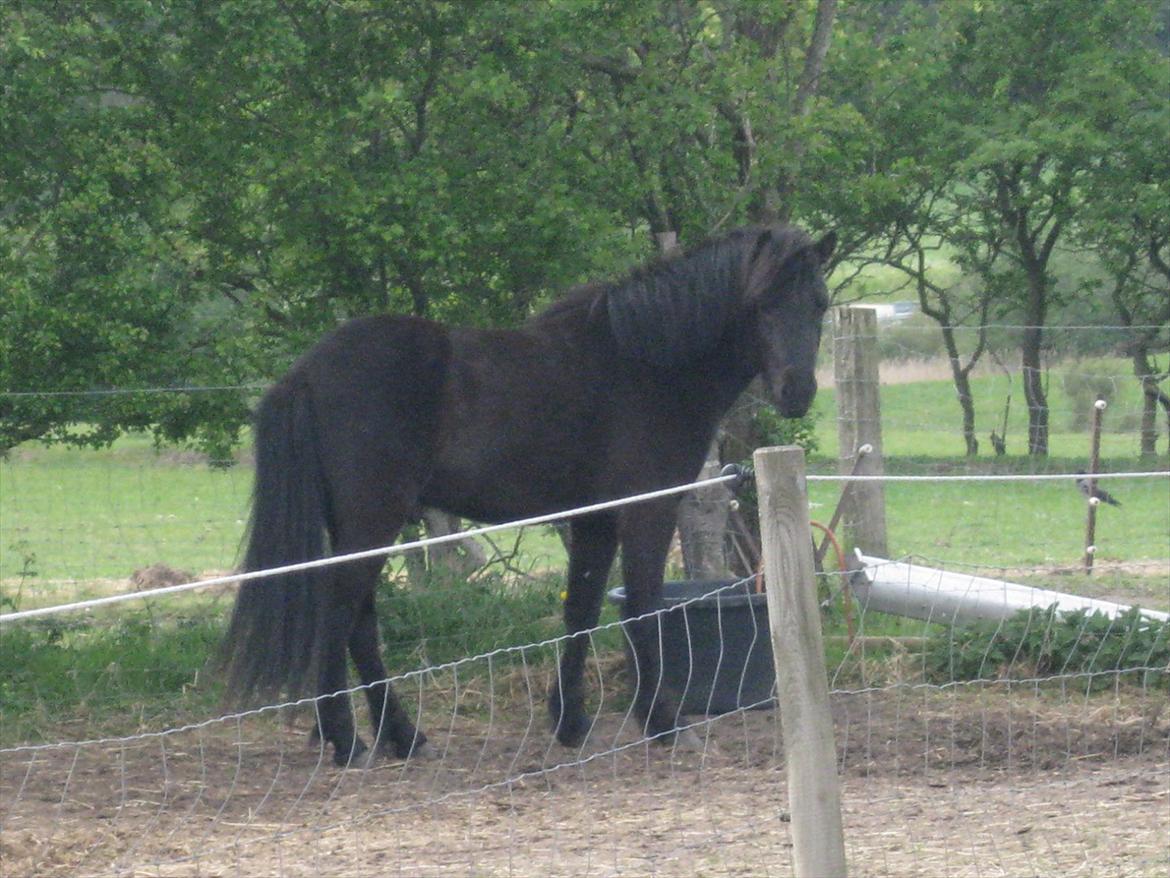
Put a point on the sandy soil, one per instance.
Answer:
(1008, 781)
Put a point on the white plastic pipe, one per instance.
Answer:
(945, 596)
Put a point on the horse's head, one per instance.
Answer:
(786, 288)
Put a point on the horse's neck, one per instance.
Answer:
(711, 387)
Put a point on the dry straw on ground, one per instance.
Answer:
(990, 781)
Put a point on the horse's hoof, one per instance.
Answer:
(413, 747)
(366, 760)
(423, 752)
(358, 756)
(688, 741)
(417, 748)
(571, 731)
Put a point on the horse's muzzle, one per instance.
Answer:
(794, 392)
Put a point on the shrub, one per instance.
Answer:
(771, 429)
(1084, 387)
(1044, 643)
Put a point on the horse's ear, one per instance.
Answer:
(825, 246)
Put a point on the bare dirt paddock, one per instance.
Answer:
(1007, 780)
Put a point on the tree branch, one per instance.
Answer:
(814, 58)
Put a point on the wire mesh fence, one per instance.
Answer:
(1011, 769)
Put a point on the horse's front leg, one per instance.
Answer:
(645, 535)
(593, 543)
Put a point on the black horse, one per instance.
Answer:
(614, 390)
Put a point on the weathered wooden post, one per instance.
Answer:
(859, 422)
(1091, 490)
(802, 684)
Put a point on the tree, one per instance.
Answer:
(700, 124)
(893, 69)
(195, 193)
(91, 248)
(1125, 220)
(988, 122)
(1026, 78)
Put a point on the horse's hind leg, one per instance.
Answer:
(393, 729)
(334, 711)
(350, 623)
(593, 544)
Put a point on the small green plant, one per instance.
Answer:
(775, 430)
(1043, 643)
(451, 617)
(769, 429)
(28, 570)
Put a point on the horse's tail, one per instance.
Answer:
(273, 644)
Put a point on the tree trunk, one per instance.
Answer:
(459, 558)
(777, 201)
(1149, 428)
(1152, 397)
(702, 525)
(963, 386)
(1034, 391)
(814, 58)
(1032, 352)
(962, 380)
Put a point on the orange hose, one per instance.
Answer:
(846, 603)
(759, 577)
(832, 539)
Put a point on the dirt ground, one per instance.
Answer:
(1007, 780)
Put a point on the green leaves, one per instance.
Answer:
(192, 193)
(1044, 643)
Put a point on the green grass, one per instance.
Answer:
(1014, 524)
(449, 619)
(923, 418)
(71, 678)
(69, 514)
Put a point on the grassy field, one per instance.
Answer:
(921, 418)
(79, 523)
(91, 515)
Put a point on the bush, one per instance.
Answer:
(1084, 387)
(771, 429)
(1042, 643)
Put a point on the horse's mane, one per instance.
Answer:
(678, 307)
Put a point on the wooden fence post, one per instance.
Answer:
(802, 684)
(1094, 468)
(859, 422)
